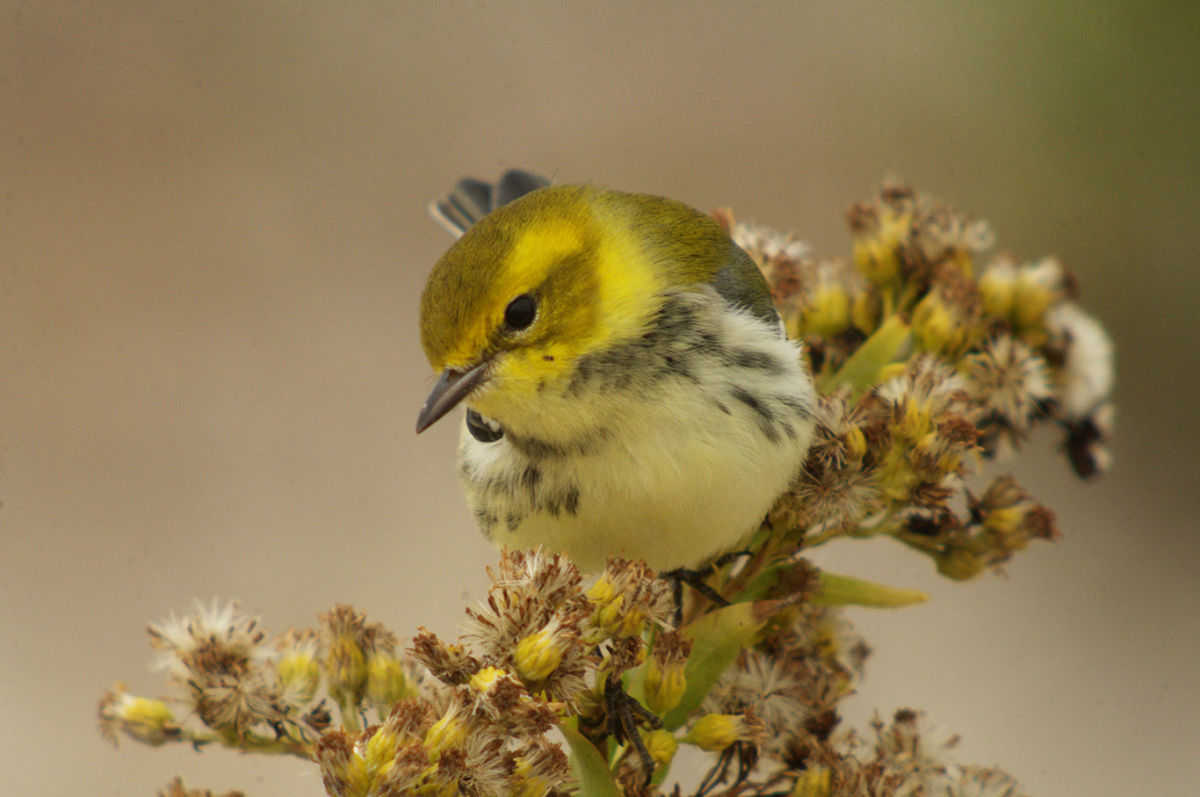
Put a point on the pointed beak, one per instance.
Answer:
(451, 388)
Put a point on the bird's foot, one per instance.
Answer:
(695, 579)
(623, 715)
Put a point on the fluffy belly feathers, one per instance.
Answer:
(681, 473)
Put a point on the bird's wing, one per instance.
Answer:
(742, 284)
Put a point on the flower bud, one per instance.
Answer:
(855, 443)
(997, 288)
(346, 668)
(380, 749)
(959, 564)
(145, 719)
(539, 654)
(386, 680)
(298, 673)
(1038, 285)
(828, 310)
(665, 679)
(449, 731)
(342, 769)
(661, 745)
(878, 236)
(815, 781)
(715, 732)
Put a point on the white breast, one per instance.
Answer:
(675, 474)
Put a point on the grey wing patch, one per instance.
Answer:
(473, 199)
(741, 284)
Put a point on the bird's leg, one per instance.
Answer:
(623, 714)
(695, 579)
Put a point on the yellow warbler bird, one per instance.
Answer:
(628, 385)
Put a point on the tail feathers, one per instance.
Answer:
(473, 199)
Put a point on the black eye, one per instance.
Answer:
(520, 312)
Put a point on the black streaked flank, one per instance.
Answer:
(487, 522)
(756, 361)
(678, 366)
(537, 449)
(557, 502)
(530, 477)
(673, 337)
(766, 418)
(527, 488)
(802, 410)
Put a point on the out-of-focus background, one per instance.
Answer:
(213, 237)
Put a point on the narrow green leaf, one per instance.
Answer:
(594, 777)
(717, 637)
(861, 370)
(838, 590)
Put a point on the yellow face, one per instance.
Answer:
(529, 289)
(554, 275)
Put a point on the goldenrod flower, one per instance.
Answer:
(349, 642)
(628, 598)
(145, 719)
(665, 681)
(297, 668)
(661, 745)
(715, 732)
(387, 679)
(879, 235)
(539, 654)
(816, 781)
(947, 320)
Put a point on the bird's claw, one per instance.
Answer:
(695, 579)
(623, 715)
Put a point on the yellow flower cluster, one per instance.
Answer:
(932, 359)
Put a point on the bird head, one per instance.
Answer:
(546, 279)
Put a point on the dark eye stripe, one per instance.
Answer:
(520, 312)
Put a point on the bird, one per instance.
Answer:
(629, 387)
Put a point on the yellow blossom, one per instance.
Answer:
(538, 655)
(448, 731)
(664, 687)
(959, 564)
(299, 673)
(815, 781)
(828, 310)
(386, 680)
(346, 668)
(379, 753)
(997, 288)
(665, 679)
(661, 745)
(876, 245)
(1037, 287)
(145, 719)
(715, 732)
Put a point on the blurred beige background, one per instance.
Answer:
(213, 237)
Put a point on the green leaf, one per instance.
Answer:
(594, 777)
(838, 590)
(861, 370)
(717, 638)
